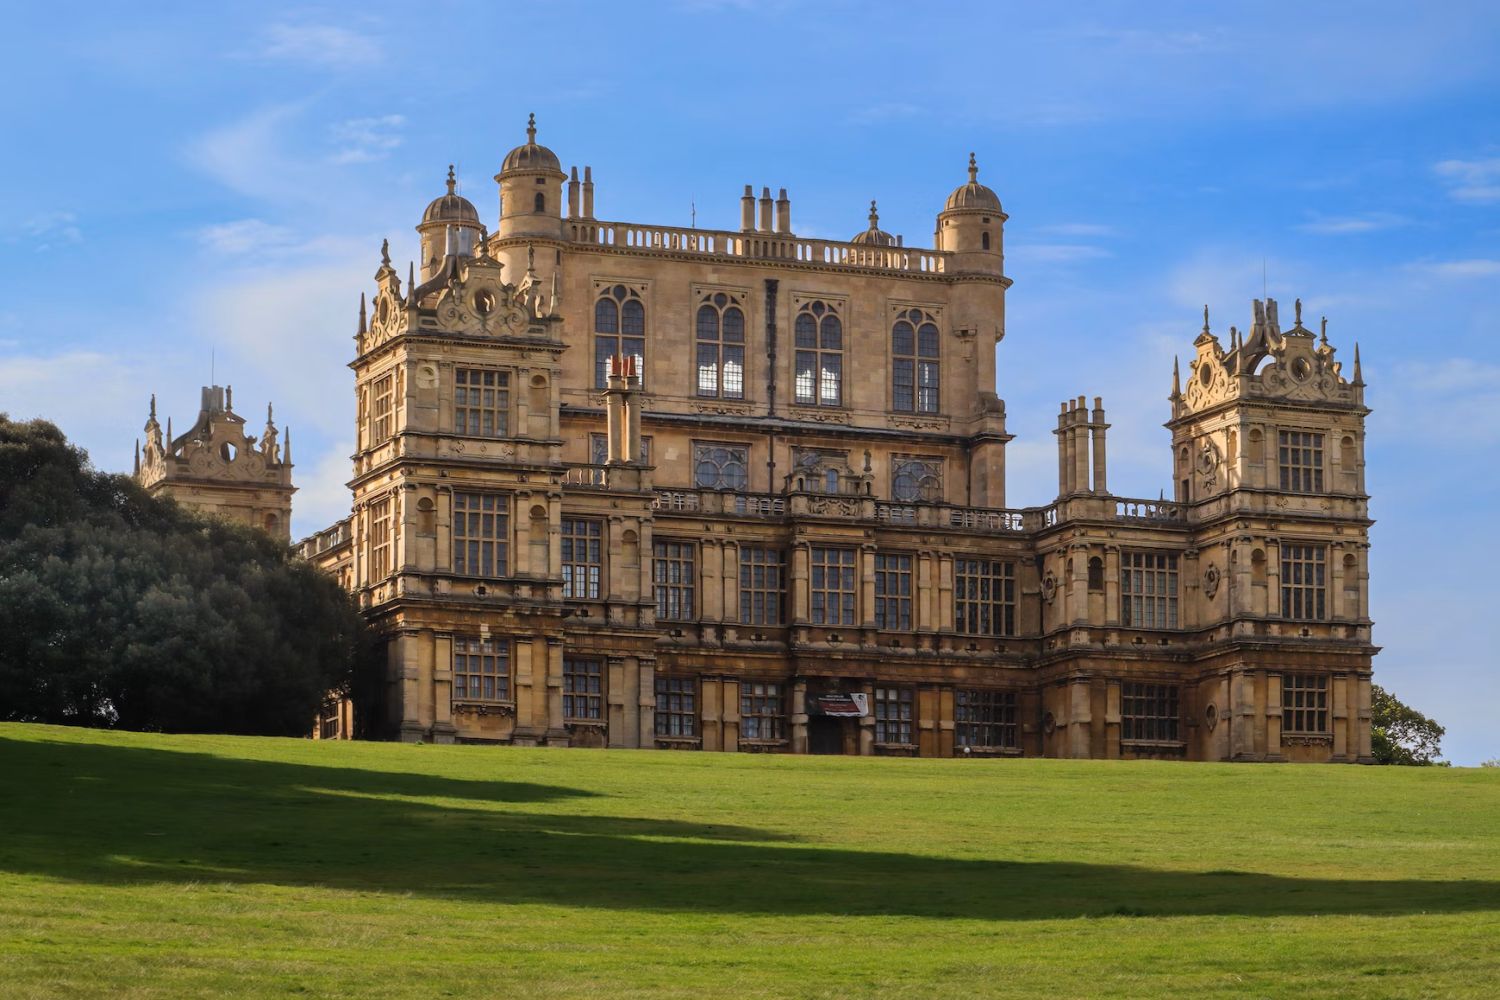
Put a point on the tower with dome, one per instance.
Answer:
(622, 484)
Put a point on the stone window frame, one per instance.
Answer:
(583, 679)
(609, 342)
(493, 403)
(674, 579)
(477, 660)
(928, 484)
(1304, 704)
(676, 707)
(986, 719)
(763, 716)
(582, 545)
(1304, 581)
(1149, 589)
(382, 521)
(984, 589)
(382, 407)
(721, 456)
(481, 546)
(921, 390)
(762, 601)
(895, 716)
(894, 591)
(843, 563)
(1300, 457)
(1150, 712)
(819, 308)
(719, 303)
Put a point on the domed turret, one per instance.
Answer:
(449, 225)
(530, 182)
(973, 195)
(530, 157)
(972, 222)
(874, 236)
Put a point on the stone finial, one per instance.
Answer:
(229, 399)
(531, 128)
(1205, 318)
(1176, 379)
(452, 180)
(1359, 375)
(1323, 330)
(1298, 307)
(973, 169)
(385, 252)
(153, 406)
(874, 215)
(411, 281)
(363, 322)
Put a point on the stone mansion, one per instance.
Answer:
(629, 485)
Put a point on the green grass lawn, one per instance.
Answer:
(149, 866)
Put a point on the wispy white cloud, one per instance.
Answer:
(245, 236)
(1471, 180)
(48, 231)
(1474, 267)
(246, 155)
(327, 45)
(362, 140)
(1344, 225)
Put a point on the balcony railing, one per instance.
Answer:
(755, 246)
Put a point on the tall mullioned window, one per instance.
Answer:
(914, 363)
(818, 333)
(481, 533)
(1304, 704)
(832, 586)
(893, 592)
(762, 585)
(583, 688)
(1301, 460)
(1304, 582)
(674, 572)
(721, 347)
(619, 328)
(1148, 712)
(893, 715)
(481, 669)
(380, 539)
(676, 706)
(1148, 589)
(481, 402)
(984, 596)
(582, 557)
(383, 409)
(762, 711)
(721, 466)
(985, 719)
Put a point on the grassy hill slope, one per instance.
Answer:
(148, 866)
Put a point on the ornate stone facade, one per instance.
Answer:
(219, 469)
(628, 485)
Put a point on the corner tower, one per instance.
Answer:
(218, 469)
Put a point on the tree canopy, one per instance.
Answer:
(120, 609)
(1401, 734)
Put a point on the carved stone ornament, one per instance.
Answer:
(1307, 741)
(841, 506)
(1049, 587)
(1211, 581)
(1211, 716)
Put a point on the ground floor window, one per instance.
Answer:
(1148, 712)
(1304, 703)
(676, 706)
(893, 714)
(481, 669)
(762, 712)
(583, 688)
(985, 719)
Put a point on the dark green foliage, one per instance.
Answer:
(1400, 734)
(120, 610)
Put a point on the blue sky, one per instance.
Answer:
(200, 180)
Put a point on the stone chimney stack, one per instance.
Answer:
(747, 210)
(783, 212)
(765, 209)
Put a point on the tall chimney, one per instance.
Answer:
(765, 209)
(1081, 447)
(747, 210)
(632, 442)
(588, 192)
(1063, 466)
(573, 193)
(783, 212)
(1097, 429)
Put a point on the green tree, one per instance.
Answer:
(118, 609)
(1401, 734)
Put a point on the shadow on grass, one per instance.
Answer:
(117, 815)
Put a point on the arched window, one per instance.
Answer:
(819, 335)
(914, 362)
(1096, 573)
(541, 202)
(619, 328)
(721, 347)
(984, 241)
(917, 479)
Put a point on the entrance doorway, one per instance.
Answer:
(825, 734)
